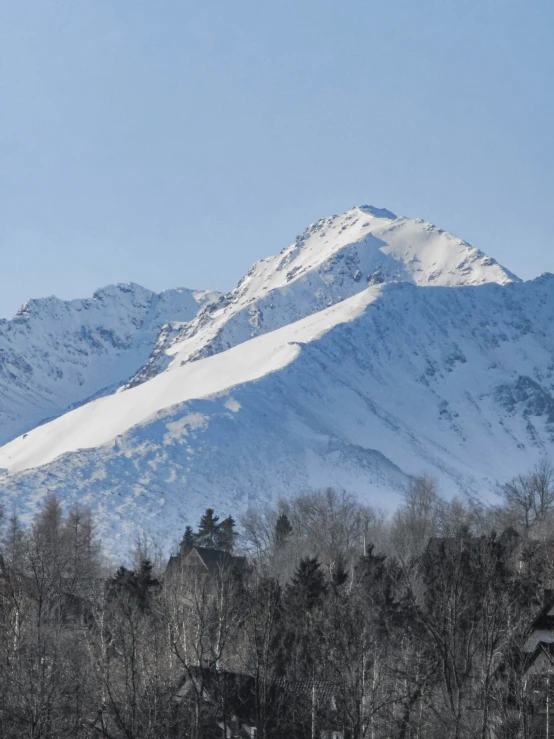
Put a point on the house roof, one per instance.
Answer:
(236, 689)
(545, 650)
(238, 692)
(544, 620)
(212, 559)
(451, 544)
(306, 687)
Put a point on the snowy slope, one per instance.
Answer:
(55, 353)
(332, 260)
(395, 380)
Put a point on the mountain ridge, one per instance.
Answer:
(55, 353)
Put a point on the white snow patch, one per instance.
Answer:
(180, 428)
(232, 405)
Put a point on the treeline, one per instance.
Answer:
(344, 621)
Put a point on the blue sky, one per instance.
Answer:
(175, 142)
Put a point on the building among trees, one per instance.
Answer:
(203, 560)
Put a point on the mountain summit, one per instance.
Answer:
(333, 259)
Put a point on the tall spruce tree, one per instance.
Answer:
(283, 529)
(188, 540)
(145, 583)
(339, 572)
(304, 604)
(208, 529)
(226, 534)
(134, 586)
(308, 584)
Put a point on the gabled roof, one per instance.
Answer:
(212, 559)
(306, 687)
(509, 538)
(544, 620)
(451, 544)
(543, 649)
(238, 690)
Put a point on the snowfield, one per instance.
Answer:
(372, 349)
(98, 422)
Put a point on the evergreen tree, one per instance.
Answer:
(375, 578)
(308, 585)
(304, 605)
(339, 572)
(145, 583)
(188, 540)
(121, 580)
(283, 529)
(208, 529)
(226, 534)
(134, 586)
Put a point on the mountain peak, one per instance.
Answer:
(371, 210)
(370, 240)
(332, 260)
(117, 289)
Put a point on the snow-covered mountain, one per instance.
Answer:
(372, 349)
(332, 260)
(55, 353)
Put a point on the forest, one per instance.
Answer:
(317, 617)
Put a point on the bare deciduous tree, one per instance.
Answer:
(530, 496)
